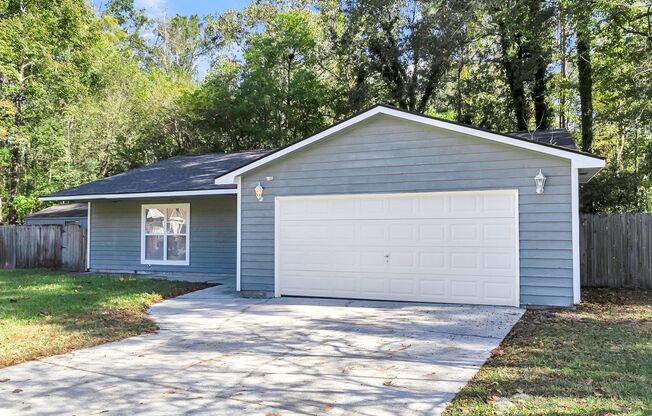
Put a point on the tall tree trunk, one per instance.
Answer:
(585, 83)
(563, 44)
(513, 73)
(517, 93)
(541, 113)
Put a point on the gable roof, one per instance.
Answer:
(180, 175)
(557, 137)
(79, 210)
(578, 159)
(215, 173)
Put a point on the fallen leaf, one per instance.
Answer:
(497, 352)
(44, 314)
(17, 391)
(388, 383)
(4, 380)
(272, 414)
(588, 381)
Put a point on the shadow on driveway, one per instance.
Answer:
(218, 354)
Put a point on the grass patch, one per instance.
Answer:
(44, 312)
(596, 360)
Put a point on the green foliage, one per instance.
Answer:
(85, 94)
(616, 190)
(276, 96)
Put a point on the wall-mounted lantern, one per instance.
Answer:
(259, 191)
(540, 181)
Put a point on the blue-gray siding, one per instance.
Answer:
(385, 155)
(55, 221)
(115, 236)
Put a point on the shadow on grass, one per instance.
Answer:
(44, 312)
(27, 295)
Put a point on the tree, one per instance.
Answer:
(44, 49)
(179, 44)
(522, 29)
(585, 78)
(409, 44)
(87, 94)
(276, 95)
(132, 22)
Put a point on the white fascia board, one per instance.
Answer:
(238, 260)
(88, 235)
(575, 233)
(140, 195)
(579, 160)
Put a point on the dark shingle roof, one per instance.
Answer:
(62, 211)
(557, 137)
(180, 173)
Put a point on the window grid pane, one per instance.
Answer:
(165, 231)
(154, 247)
(154, 222)
(176, 221)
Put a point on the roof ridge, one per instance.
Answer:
(217, 153)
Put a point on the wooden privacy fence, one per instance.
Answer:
(52, 246)
(616, 250)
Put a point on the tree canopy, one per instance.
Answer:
(88, 93)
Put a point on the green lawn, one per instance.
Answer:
(596, 360)
(45, 312)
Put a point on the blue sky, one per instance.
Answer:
(185, 7)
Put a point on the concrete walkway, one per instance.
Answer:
(218, 354)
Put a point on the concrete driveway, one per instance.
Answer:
(217, 354)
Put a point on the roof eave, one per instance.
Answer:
(138, 195)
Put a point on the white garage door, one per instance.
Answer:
(453, 247)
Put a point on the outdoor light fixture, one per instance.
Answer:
(259, 191)
(540, 181)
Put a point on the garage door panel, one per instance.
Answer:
(379, 206)
(369, 286)
(450, 247)
(376, 232)
(417, 260)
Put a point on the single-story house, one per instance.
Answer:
(61, 214)
(386, 205)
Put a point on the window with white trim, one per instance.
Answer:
(165, 234)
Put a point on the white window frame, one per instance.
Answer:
(163, 208)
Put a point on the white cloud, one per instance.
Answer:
(154, 8)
